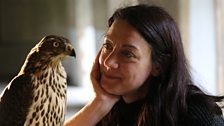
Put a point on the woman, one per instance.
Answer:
(141, 76)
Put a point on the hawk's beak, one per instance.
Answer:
(73, 53)
(70, 50)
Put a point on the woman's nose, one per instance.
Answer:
(111, 61)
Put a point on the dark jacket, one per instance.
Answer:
(197, 115)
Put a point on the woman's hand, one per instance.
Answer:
(96, 109)
(101, 94)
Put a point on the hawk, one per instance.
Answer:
(37, 95)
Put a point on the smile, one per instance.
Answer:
(111, 77)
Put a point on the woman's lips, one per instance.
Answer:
(111, 76)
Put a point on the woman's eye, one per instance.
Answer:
(128, 54)
(107, 46)
(56, 44)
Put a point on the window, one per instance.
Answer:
(220, 45)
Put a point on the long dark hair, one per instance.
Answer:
(168, 94)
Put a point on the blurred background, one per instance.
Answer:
(24, 22)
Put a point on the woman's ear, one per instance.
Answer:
(155, 71)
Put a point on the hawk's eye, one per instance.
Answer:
(56, 44)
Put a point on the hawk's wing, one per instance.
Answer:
(15, 101)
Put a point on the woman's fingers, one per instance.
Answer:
(95, 72)
(95, 75)
(95, 78)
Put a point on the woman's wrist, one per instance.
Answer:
(106, 103)
(91, 113)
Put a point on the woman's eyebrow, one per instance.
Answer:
(130, 46)
(107, 39)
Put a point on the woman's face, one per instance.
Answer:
(125, 62)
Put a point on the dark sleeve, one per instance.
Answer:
(199, 115)
(218, 121)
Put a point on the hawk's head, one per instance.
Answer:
(49, 51)
(54, 47)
